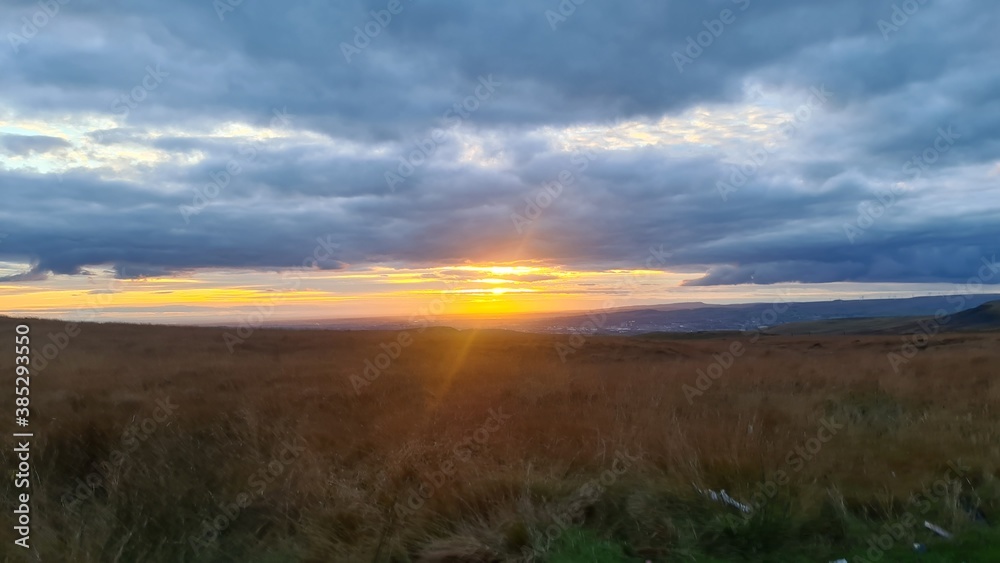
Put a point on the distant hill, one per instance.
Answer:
(985, 317)
(696, 317)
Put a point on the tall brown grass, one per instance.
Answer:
(369, 483)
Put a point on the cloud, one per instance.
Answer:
(31, 275)
(260, 194)
(26, 145)
(140, 271)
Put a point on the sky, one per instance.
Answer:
(197, 161)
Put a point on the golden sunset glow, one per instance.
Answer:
(489, 290)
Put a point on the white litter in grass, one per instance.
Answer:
(723, 497)
(938, 530)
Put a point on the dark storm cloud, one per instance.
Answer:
(602, 62)
(171, 74)
(139, 271)
(32, 275)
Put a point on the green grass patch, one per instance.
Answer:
(577, 545)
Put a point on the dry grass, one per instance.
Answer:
(353, 494)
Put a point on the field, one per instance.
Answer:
(160, 444)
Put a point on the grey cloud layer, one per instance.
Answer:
(891, 96)
(24, 145)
